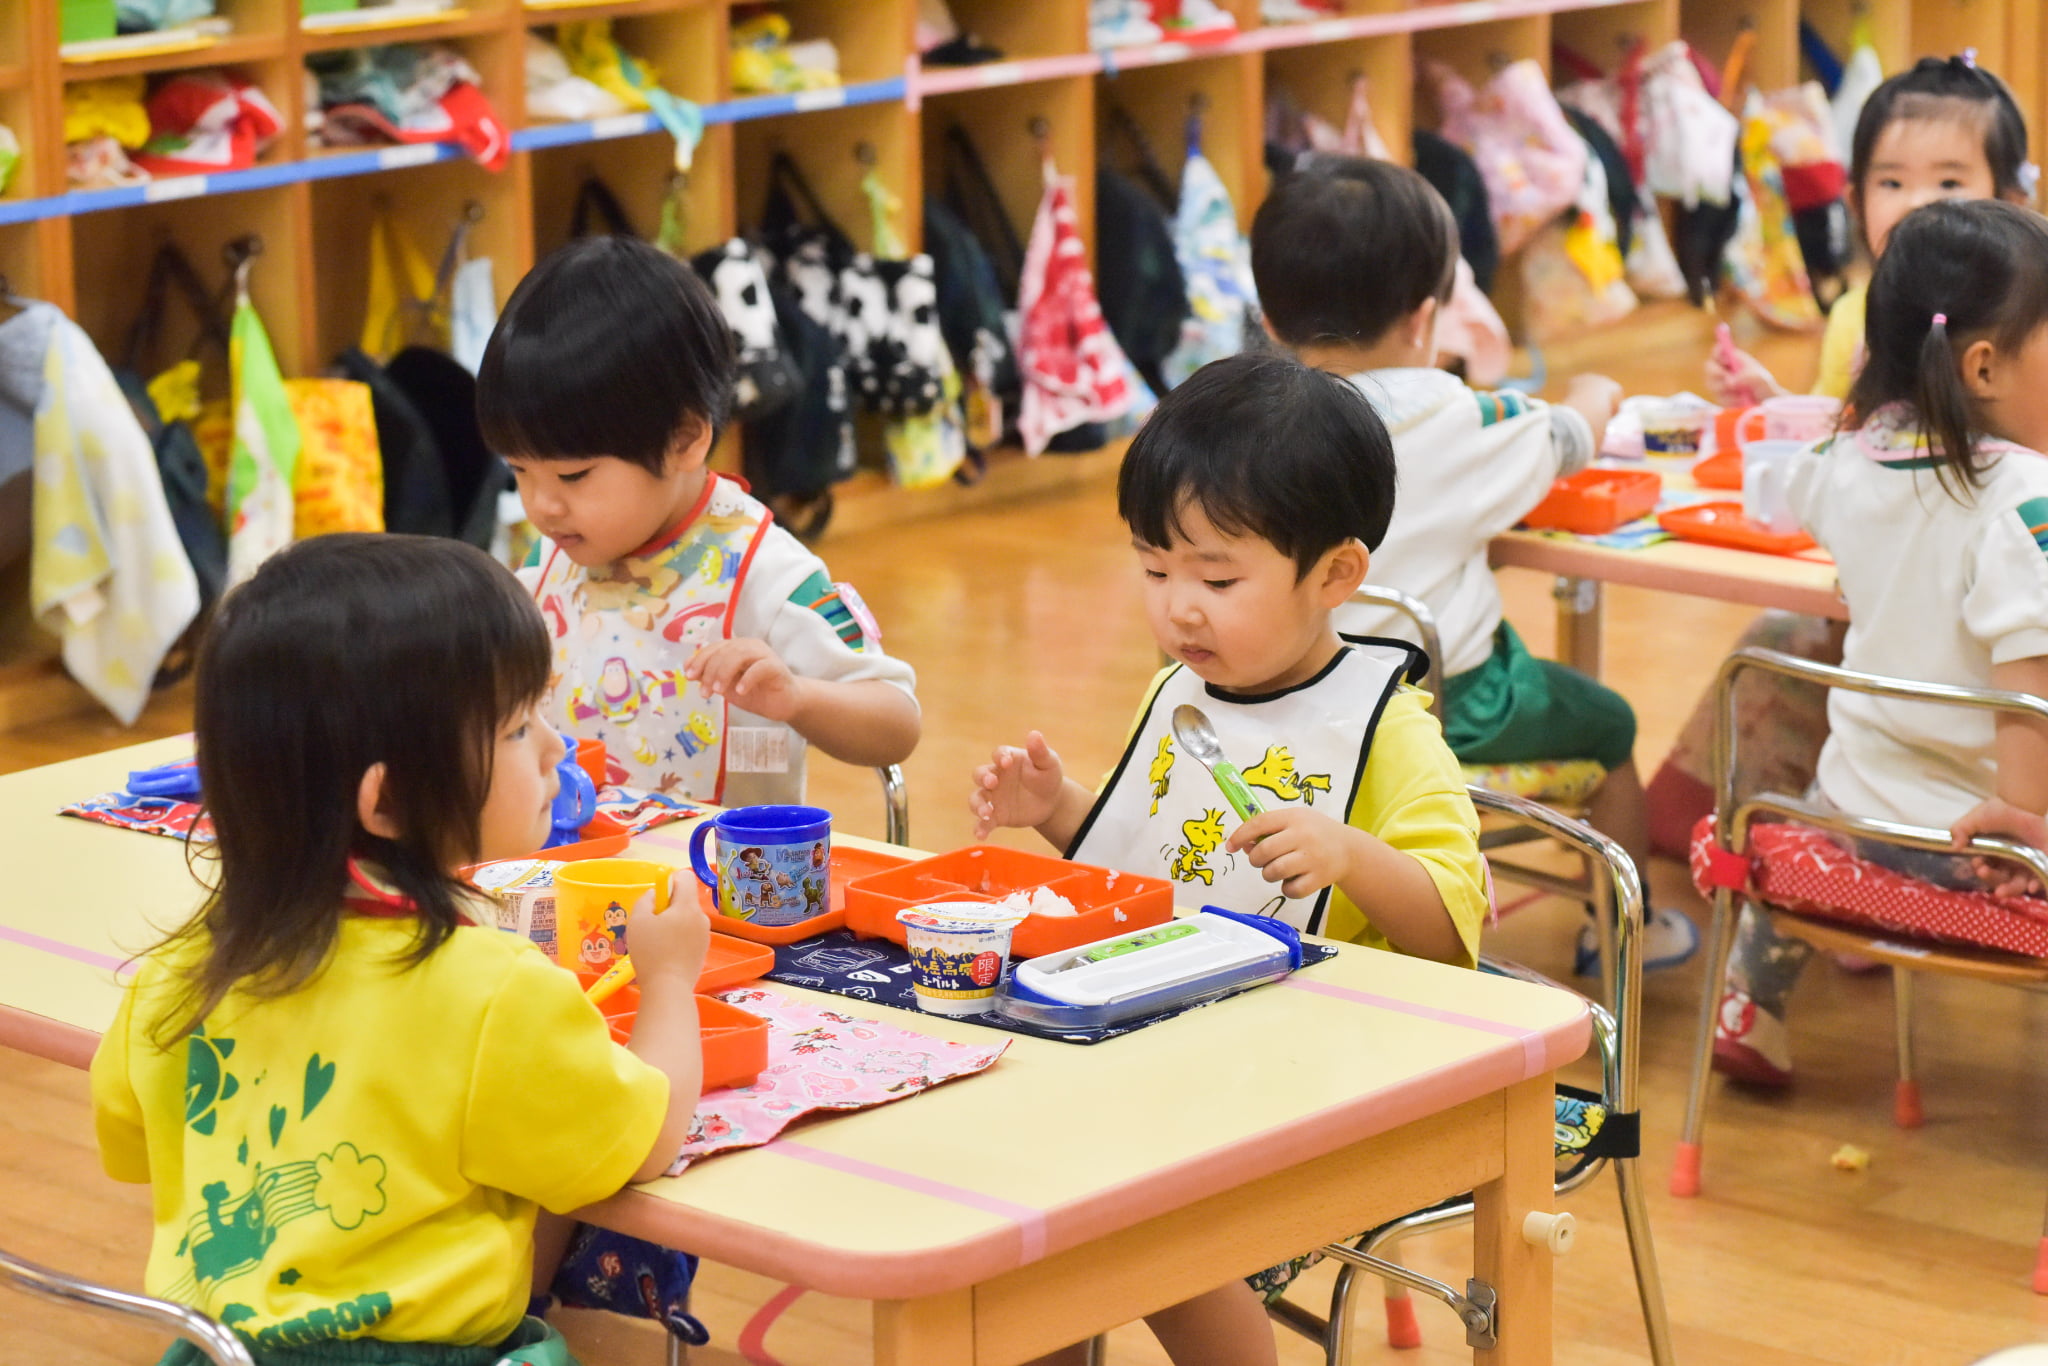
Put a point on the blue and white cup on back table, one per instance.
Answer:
(773, 865)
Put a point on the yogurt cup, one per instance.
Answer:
(959, 953)
(1673, 429)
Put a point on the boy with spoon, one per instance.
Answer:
(1254, 495)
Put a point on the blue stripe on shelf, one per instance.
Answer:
(422, 154)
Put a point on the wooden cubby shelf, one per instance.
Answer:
(86, 250)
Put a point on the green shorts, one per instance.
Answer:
(533, 1343)
(1516, 709)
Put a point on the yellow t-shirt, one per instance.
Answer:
(364, 1157)
(1841, 345)
(1412, 795)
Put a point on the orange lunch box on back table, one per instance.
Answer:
(1105, 903)
(1723, 524)
(1595, 502)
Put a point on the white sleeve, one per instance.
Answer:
(1514, 463)
(800, 635)
(1572, 436)
(2006, 606)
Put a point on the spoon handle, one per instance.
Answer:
(1235, 790)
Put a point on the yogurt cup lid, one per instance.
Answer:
(960, 917)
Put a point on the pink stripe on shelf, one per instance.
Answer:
(62, 950)
(1531, 1041)
(1030, 1222)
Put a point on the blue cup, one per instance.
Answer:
(774, 863)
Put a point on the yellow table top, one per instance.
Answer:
(1055, 1145)
(1793, 583)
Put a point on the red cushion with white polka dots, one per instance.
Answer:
(1803, 870)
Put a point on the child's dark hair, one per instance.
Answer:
(1344, 248)
(609, 347)
(1954, 272)
(341, 653)
(1266, 446)
(1953, 88)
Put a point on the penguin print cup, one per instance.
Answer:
(773, 864)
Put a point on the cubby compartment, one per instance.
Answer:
(1603, 36)
(1941, 28)
(1890, 23)
(1010, 130)
(872, 37)
(1215, 99)
(1023, 32)
(497, 56)
(126, 240)
(833, 149)
(1318, 78)
(428, 205)
(17, 112)
(1711, 27)
(638, 171)
(24, 269)
(684, 45)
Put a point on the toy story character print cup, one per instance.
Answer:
(592, 900)
(959, 952)
(774, 863)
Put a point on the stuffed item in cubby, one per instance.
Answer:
(768, 379)
(1533, 164)
(207, 121)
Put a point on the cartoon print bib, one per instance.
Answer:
(623, 632)
(1161, 813)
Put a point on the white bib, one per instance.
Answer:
(623, 632)
(1162, 815)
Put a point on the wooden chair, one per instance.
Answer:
(1617, 1036)
(1734, 817)
(219, 1344)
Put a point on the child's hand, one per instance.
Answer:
(2001, 819)
(1302, 850)
(1595, 398)
(670, 947)
(1018, 787)
(750, 675)
(1742, 383)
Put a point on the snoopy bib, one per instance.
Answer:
(623, 632)
(1162, 815)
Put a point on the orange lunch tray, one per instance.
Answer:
(1720, 471)
(607, 847)
(1723, 524)
(1105, 903)
(728, 963)
(1595, 502)
(848, 865)
(735, 1042)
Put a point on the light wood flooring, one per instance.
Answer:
(1026, 614)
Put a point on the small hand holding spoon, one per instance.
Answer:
(1198, 738)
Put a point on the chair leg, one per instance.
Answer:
(2041, 1264)
(1404, 1330)
(1906, 1111)
(675, 1350)
(1685, 1165)
(1635, 1217)
(1098, 1350)
(1337, 1328)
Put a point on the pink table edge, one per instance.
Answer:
(934, 1270)
(1736, 582)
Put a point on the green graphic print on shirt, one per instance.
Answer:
(234, 1233)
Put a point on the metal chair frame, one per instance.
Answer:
(1584, 888)
(1617, 1036)
(896, 801)
(219, 1343)
(1735, 814)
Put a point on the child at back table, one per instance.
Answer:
(1255, 495)
(1355, 260)
(704, 645)
(1934, 504)
(350, 1092)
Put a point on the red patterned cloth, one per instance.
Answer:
(1800, 869)
(1074, 371)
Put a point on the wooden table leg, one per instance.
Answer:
(1519, 1273)
(1578, 623)
(937, 1330)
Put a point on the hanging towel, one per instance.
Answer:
(108, 573)
(264, 461)
(1073, 370)
(594, 55)
(1217, 266)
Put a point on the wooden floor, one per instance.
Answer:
(1026, 614)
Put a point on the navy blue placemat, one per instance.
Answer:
(878, 970)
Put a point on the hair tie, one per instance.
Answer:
(1940, 320)
(1968, 57)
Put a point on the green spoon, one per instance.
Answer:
(1198, 737)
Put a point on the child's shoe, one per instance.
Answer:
(1751, 1044)
(1669, 938)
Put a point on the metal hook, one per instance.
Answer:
(240, 255)
(1041, 128)
(472, 213)
(1198, 104)
(864, 153)
(1498, 60)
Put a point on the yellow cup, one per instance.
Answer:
(592, 899)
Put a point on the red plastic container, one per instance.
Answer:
(1595, 502)
(848, 865)
(735, 1042)
(1723, 524)
(1105, 903)
(1722, 470)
